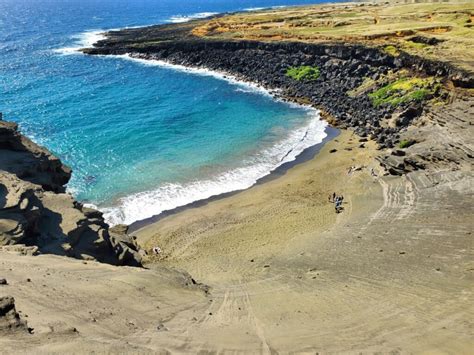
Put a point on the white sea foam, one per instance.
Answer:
(263, 8)
(255, 8)
(90, 37)
(244, 86)
(187, 18)
(166, 197)
(82, 40)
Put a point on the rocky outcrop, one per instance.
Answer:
(439, 140)
(36, 211)
(29, 161)
(10, 320)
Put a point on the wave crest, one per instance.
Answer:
(187, 18)
(82, 40)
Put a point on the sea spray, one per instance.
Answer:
(187, 18)
(82, 40)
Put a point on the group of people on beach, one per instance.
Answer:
(337, 200)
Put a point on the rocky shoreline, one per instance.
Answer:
(38, 216)
(340, 91)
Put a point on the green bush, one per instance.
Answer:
(404, 90)
(304, 72)
(391, 50)
(405, 143)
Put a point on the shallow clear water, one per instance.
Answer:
(141, 137)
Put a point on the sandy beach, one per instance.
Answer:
(274, 269)
(268, 219)
(284, 268)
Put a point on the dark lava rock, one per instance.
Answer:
(405, 117)
(432, 41)
(342, 69)
(399, 153)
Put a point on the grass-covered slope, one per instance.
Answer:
(404, 90)
(441, 31)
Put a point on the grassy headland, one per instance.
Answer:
(438, 30)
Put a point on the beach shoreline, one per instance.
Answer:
(305, 156)
(298, 150)
(331, 159)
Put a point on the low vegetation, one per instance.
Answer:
(405, 143)
(391, 50)
(392, 26)
(405, 90)
(304, 72)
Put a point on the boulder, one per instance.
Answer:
(125, 246)
(398, 152)
(405, 117)
(9, 318)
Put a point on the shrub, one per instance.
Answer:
(304, 72)
(404, 90)
(405, 143)
(392, 50)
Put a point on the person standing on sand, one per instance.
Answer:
(333, 197)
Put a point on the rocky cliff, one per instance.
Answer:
(36, 211)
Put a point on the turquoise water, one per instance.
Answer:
(141, 137)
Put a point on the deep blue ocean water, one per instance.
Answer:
(140, 137)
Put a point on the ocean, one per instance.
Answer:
(141, 137)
